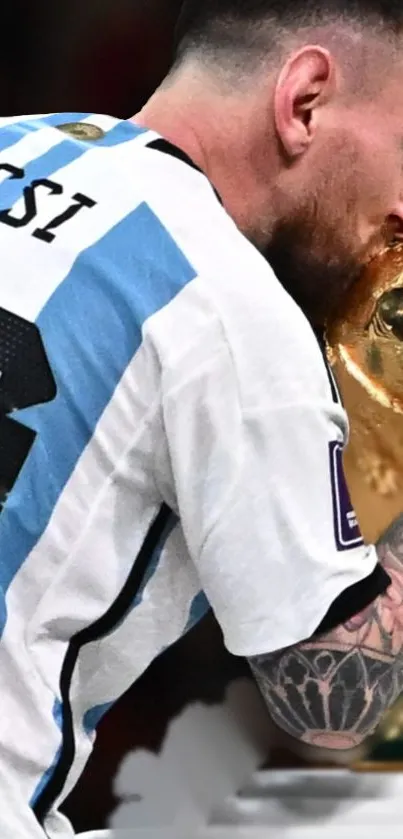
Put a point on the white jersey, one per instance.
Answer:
(169, 441)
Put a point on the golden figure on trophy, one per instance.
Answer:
(365, 350)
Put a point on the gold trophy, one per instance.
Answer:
(365, 350)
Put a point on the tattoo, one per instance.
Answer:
(333, 690)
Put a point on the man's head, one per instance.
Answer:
(294, 108)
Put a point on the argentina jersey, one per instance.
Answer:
(170, 441)
(91, 557)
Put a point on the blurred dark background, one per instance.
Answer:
(100, 55)
(108, 56)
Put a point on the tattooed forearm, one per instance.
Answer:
(332, 690)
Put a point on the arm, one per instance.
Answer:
(332, 690)
(253, 461)
(253, 458)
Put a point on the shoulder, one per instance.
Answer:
(235, 299)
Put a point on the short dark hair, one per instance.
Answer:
(222, 26)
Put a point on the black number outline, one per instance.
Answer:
(26, 380)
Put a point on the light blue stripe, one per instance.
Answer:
(58, 718)
(60, 156)
(91, 328)
(94, 716)
(14, 132)
(198, 610)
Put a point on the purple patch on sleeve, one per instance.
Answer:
(346, 529)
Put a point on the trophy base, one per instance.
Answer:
(324, 803)
(297, 804)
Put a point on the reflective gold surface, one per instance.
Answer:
(365, 348)
(365, 345)
(82, 130)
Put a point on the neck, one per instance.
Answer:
(221, 135)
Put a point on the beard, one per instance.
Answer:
(313, 269)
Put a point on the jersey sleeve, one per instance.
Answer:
(256, 449)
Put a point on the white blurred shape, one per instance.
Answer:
(209, 752)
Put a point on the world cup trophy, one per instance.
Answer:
(365, 351)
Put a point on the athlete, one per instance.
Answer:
(171, 438)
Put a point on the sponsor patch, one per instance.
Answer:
(346, 529)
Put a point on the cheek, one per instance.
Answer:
(378, 195)
(381, 180)
(342, 211)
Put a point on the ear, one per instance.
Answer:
(306, 83)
